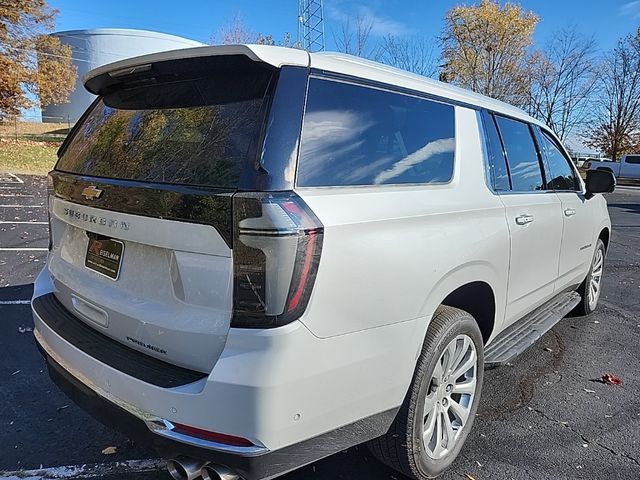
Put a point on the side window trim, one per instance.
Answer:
(542, 158)
(487, 117)
(504, 150)
(489, 176)
(544, 167)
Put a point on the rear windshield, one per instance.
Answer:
(197, 132)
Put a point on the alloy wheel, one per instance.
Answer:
(450, 396)
(596, 277)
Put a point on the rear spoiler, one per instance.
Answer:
(102, 79)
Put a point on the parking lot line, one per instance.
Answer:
(89, 470)
(26, 249)
(15, 302)
(9, 178)
(22, 222)
(18, 179)
(23, 206)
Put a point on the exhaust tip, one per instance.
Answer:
(176, 470)
(183, 468)
(218, 472)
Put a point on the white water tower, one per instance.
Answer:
(96, 47)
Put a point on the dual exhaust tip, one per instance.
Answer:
(185, 468)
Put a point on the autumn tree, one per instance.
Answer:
(618, 102)
(412, 53)
(30, 61)
(485, 48)
(563, 80)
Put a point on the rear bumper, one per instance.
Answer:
(296, 397)
(258, 464)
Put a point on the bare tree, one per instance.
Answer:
(354, 37)
(413, 53)
(618, 102)
(234, 32)
(563, 81)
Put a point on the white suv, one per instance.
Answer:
(260, 257)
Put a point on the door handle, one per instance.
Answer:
(569, 212)
(524, 219)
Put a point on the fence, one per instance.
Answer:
(32, 128)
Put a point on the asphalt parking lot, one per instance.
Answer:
(544, 417)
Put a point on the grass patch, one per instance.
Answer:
(27, 156)
(10, 129)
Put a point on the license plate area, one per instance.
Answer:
(104, 255)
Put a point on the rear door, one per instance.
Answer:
(578, 228)
(141, 212)
(534, 220)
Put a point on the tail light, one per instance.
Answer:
(276, 251)
(211, 436)
(50, 194)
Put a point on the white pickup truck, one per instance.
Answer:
(628, 168)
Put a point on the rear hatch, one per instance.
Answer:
(141, 205)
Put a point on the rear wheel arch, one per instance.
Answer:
(478, 300)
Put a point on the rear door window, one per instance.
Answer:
(522, 156)
(635, 159)
(356, 135)
(195, 132)
(561, 175)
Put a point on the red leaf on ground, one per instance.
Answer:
(611, 379)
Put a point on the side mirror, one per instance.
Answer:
(600, 181)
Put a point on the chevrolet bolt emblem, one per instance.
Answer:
(91, 193)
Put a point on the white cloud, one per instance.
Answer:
(380, 25)
(631, 9)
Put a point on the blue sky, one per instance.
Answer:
(200, 20)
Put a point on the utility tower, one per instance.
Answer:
(310, 25)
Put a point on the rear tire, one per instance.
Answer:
(438, 412)
(592, 285)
